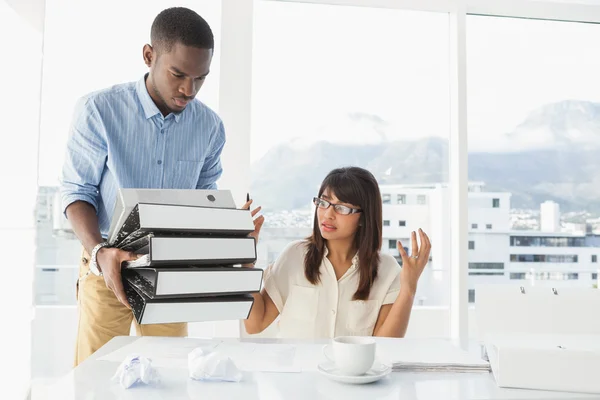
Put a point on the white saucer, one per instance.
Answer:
(377, 371)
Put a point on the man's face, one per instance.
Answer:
(176, 76)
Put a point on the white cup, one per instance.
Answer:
(352, 355)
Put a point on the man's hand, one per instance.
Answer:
(109, 260)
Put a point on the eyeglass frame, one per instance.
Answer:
(317, 200)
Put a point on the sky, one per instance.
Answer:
(314, 66)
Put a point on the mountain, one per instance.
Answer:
(564, 168)
(570, 123)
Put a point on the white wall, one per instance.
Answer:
(21, 37)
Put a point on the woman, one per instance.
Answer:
(337, 282)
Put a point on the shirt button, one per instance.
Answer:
(333, 312)
(159, 162)
(162, 131)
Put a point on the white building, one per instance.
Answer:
(549, 217)
(497, 254)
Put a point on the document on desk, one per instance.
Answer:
(173, 353)
(428, 355)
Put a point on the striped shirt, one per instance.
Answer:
(119, 139)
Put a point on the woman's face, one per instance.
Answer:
(335, 226)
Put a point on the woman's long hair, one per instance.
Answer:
(359, 187)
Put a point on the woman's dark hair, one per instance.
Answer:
(358, 187)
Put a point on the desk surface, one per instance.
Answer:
(91, 380)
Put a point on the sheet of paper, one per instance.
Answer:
(428, 354)
(262, 357)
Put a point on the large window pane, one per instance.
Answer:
(336, 86)
(534, 118)
(87, 46)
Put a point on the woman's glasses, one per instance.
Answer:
(338, 208)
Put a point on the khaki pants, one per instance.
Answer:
(102, 316)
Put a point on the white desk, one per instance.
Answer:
(91, 381)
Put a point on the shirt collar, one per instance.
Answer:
(354, 259)
(150, 108)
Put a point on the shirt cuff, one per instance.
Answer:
(391, 297)
(68, 199)
(274, 294)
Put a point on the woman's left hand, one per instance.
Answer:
(413, 265)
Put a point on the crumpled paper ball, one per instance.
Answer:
(136, 369)
(209, 365)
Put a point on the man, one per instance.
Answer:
(146, 134)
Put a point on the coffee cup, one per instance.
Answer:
(352, 355)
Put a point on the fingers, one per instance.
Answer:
(120, 291)
(425, 245)
(402, 252)
(247, 205)
(415, 245)
(115, 284)
(255, 211)
(258, 223)
(427, 240)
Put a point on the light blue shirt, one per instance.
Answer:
(119, 139)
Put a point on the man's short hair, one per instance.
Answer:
(180, 25)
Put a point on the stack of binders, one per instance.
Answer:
(190, 245)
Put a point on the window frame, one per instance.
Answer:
(235, 103)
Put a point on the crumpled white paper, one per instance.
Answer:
(209, 365)
(136, 369)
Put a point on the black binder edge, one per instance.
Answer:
(136, 300)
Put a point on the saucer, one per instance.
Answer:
(375, 373)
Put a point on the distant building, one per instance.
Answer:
(497, 254)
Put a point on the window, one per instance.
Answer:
(488, 226)
(87, 72)
(386, 223)
(421, 199)
(354, 120)
(548, 64)
(386, 199)
(401, 223)
(594, 258)
(552, 276)
(471, 245)
(471, 295)
(392, 243)
(550, 258)
(486, 273)
(486, 265)
(473, 226)
(595, 275)
(547, 241)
